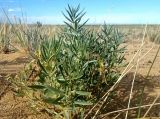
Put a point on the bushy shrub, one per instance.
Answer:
(73, 69)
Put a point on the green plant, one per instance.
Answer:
(71, 70)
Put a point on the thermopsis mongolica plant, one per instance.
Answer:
(72, 70)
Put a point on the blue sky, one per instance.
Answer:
(98, 11)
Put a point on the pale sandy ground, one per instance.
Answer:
(146, 61)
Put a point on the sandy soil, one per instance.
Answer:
(12, 107)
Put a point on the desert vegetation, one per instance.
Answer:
(76, 71)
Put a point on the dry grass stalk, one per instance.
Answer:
(137, 65)
(128, 109)
(151, 105)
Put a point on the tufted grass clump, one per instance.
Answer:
(155, 37)
(5, 38)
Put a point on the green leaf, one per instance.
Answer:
(62, 81)
(83, 103)
(42, 77)
(70, 13)
(44, 52)
(50, 91)
(69, 25)
(42, 67)
(37, 87)
(66, 17)
(53, 100)
(87, 63)
(83, 93)
(83, 24)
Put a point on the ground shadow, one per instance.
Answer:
(119, 99)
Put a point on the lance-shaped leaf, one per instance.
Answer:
(53, 100)
(37, 86)
(83, 93)
(83, 103)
